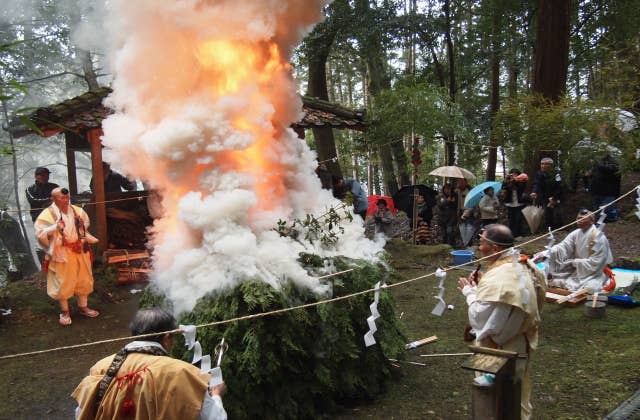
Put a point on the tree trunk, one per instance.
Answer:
(449, 137)
(371, 46)
(551, 60)
(87, 69)
(495, 95)
(552, 49)
(318, 46)
(16, 190)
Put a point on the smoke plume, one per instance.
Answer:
(204, 98)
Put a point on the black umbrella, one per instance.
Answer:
(403, 199)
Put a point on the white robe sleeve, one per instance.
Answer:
(212, 408)
(499, 321)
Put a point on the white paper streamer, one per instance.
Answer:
(551, 241)
(638, 203)
(189, 333)
(440, 307)
(515, 256)
(369, 340)
(197, 353)
(205, 363)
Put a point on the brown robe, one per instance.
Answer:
(163, 388)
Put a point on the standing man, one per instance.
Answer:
(141, 381)
(513, 190)
(113, 181)
(580, 259)
(605, 186)
(360, 201)
(462, 189)
(62, 232)
(505, 305)
(39, 193)
(548, 191)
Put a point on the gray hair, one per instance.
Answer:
(152, 320)
(547, 160)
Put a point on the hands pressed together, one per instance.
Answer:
(218, 390)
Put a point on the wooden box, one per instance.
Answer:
(553, 294)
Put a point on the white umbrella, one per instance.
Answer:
(467, 229)
(452, 172)
(533, 215)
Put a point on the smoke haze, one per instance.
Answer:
(204, 98)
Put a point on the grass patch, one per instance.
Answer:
(583, 368)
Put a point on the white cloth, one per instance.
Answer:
(212, 408)
(498, 321)
(49, 236)
(577, 262)
(488, 205)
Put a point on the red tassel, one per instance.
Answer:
(128, 409)
(45, 266)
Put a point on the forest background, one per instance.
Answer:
(486, 85)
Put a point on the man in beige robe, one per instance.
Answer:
(142, 382)
(62, 231)
(505, 304)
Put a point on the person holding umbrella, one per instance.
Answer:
(488, 205)
(512, 193)
(447, 217)
(548, 191)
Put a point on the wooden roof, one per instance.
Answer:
(87, 111)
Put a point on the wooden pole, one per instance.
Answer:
(93, 137)
(414, 220)
(71, 167)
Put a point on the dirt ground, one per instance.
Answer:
(39, 386)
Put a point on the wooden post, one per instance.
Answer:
(501, 401)
(71, 170)
(414, 220)
(93, 137)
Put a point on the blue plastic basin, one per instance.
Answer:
(461, 256)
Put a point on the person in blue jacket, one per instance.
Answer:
(360, 201)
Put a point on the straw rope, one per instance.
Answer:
(312, 304)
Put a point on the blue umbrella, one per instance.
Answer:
(477, 192)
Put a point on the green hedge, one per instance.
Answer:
(302, 363)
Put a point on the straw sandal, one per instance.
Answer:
(91, 313)
(64, 319)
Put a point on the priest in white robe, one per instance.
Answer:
(579, 260)
(505, 304)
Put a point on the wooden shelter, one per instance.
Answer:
(80, 119)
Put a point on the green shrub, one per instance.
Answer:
(301, 363)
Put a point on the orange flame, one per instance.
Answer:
(228, 67)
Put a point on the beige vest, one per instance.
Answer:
(502, 283)
(164, 388)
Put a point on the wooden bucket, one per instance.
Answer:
(597, 311)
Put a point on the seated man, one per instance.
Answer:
(383, 218)
(141, 381)
(579, 260)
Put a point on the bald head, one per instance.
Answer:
(60, 197)
(499, 235)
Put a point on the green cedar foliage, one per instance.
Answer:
(301, 363)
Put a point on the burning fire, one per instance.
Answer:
(204, 98)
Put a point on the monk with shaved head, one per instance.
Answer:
(62, 231)
(505, 304)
